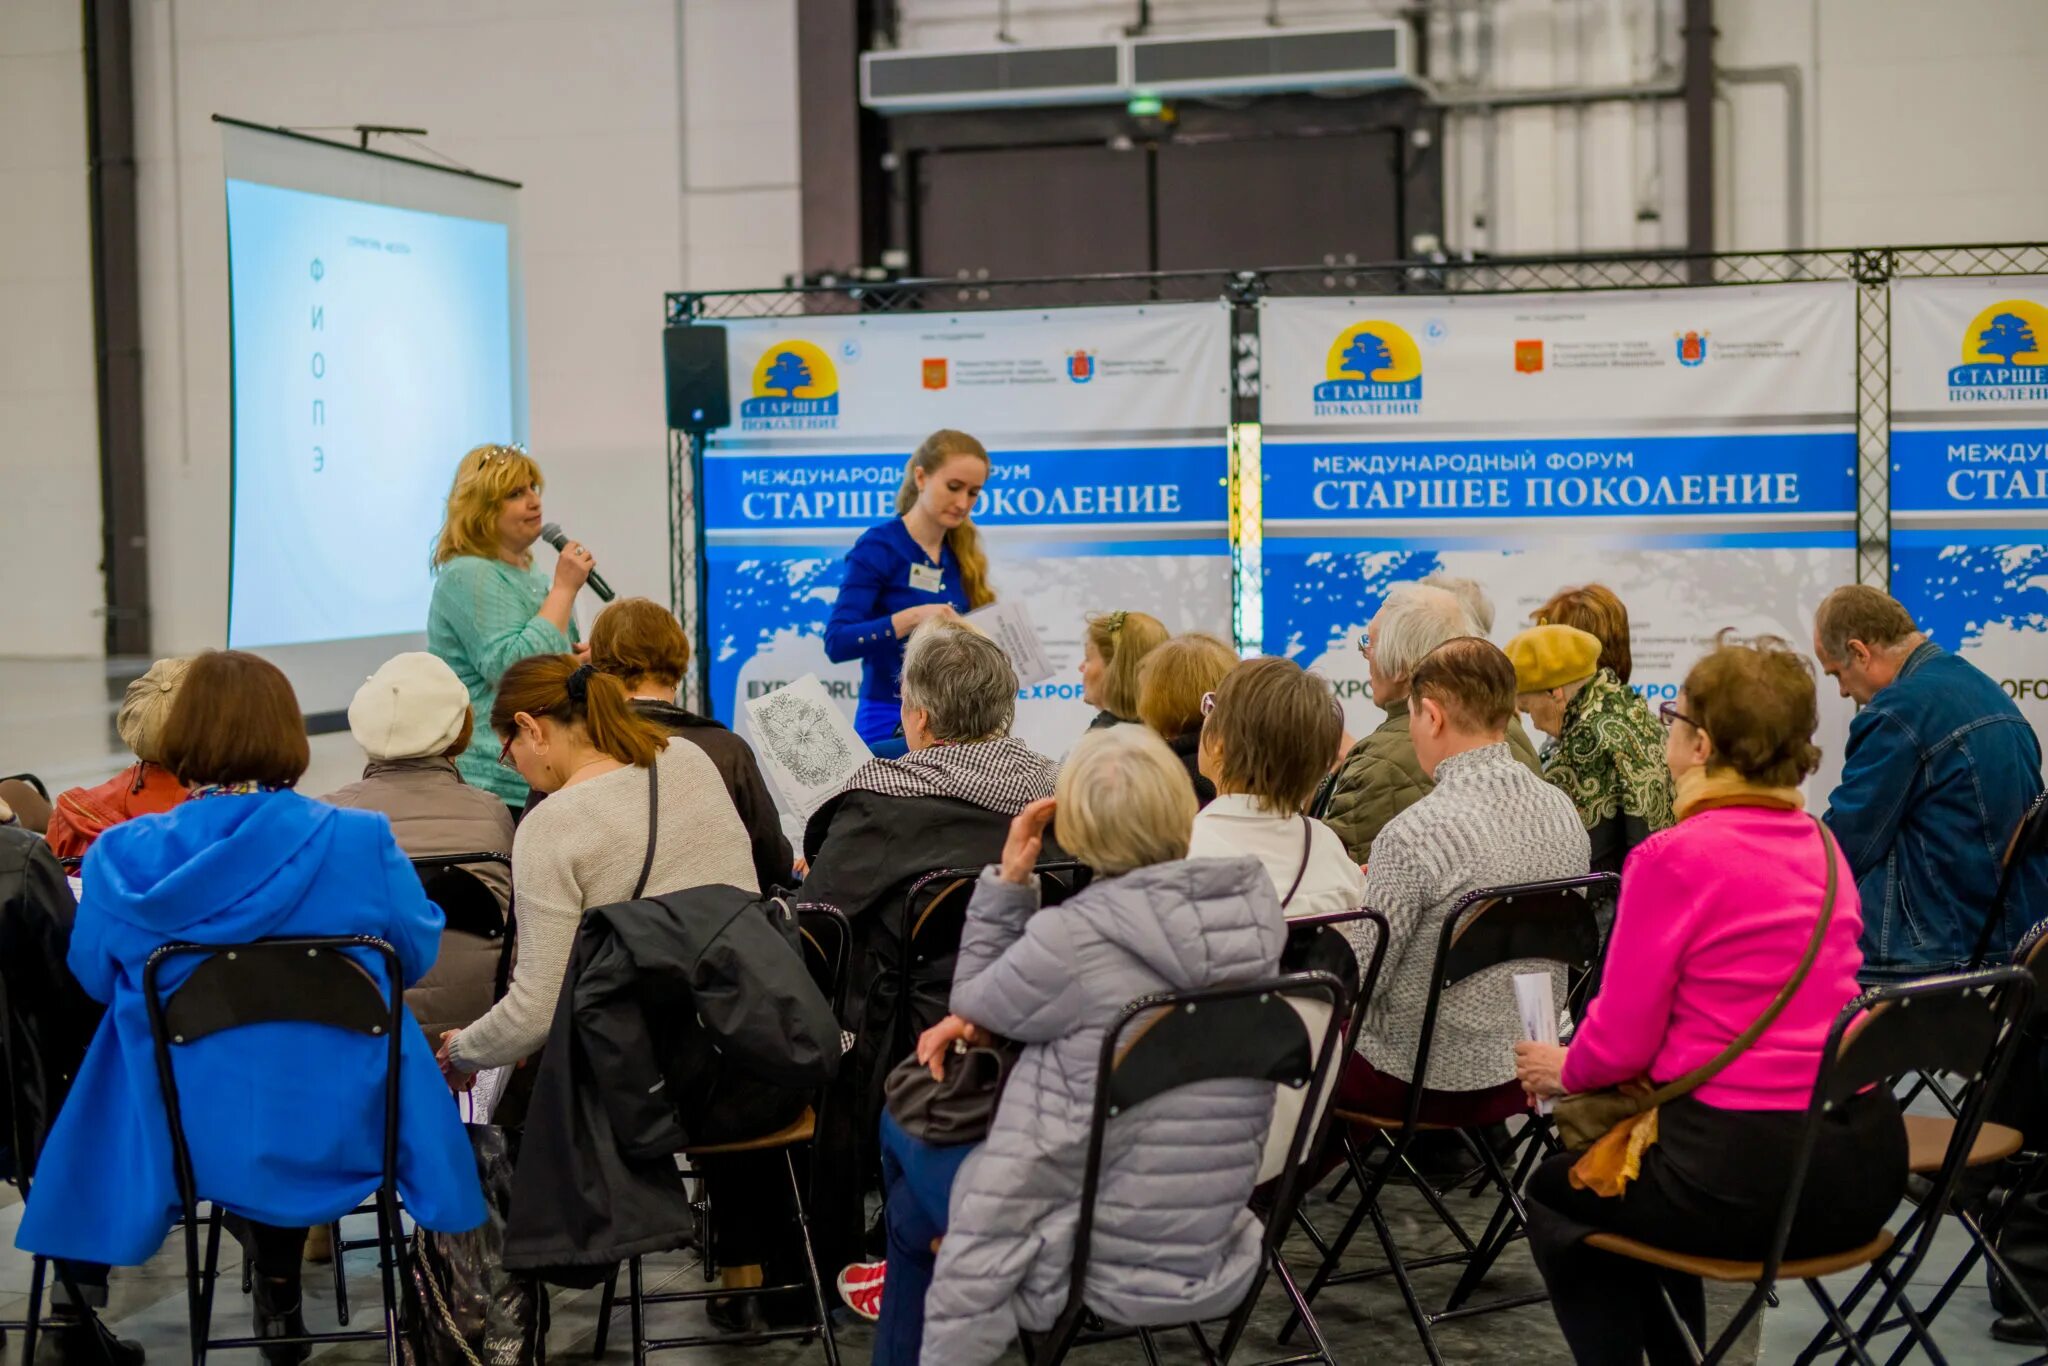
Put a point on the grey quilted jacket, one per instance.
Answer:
(1173, 1240)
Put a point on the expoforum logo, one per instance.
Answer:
(2005, 356)
(796, 388)
(1373, 368)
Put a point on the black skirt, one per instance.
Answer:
(1713, 1185)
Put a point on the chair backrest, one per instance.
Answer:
(2028, 842)
(1547, 922)
(470, 907)
(1311, 938)
(313, 980)
(1964, 1024)
(26, 796)
(1246, 1031)
(32, 780)
(827, 938)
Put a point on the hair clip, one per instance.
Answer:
(1115, 622)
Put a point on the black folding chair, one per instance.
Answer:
(1162, 1043)
(1929, 1139)
(1536, 923)
(307, 980)
(1962, 1024)
(2029, 842)
(467, 906)
(827, 941)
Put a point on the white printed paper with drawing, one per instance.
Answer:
(807, 746)
(1009, 625)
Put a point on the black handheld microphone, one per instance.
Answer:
(551, 532)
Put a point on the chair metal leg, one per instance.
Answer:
(1150, 1347)
(1852, 1344)
(390, 1256)
(1369, 1191)
(604, 1315)
(1407, 1288)
(636, 1311)
(1302, 1313)
(340, 1274)
(32, 1321)
(1209, 1357)
(1508, 1216)
(803, 1222)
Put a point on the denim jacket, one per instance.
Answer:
(1939, 769)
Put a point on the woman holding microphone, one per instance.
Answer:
(491, 608)
(928, 562)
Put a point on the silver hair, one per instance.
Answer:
(1477, 605)
(962, 680)
(1415, 619)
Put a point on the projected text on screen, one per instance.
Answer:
(373, 345)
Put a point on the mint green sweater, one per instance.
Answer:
(482, 621)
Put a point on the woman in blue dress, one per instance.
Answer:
(927, 562)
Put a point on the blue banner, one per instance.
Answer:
(1971, 469)
(1714, 476)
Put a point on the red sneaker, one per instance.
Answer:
(860, 1285)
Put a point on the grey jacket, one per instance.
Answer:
(1173, 1239)
(433, 811)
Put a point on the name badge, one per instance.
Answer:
(927, 579)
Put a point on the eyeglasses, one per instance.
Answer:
(505, 753)
(1669, 714)
(1208, 703)
(1365, 643)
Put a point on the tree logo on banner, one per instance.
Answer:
(2005, 356)
(796, 388)
(1374, 368)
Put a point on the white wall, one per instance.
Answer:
(656, 143)
(49, 422)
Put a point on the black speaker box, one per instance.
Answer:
(694, 361)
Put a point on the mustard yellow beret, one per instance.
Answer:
(1547, 657)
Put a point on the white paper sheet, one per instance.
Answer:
(1008, 624)
(806, 745)
(1539, 1014)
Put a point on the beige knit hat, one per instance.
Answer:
(147, 706)
(411, 708)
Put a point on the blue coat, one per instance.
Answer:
(285, 1121)
(1938, 771)
(877, 587)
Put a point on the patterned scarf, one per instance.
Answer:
(1003, 775)
(1610, 758)
(248, 789)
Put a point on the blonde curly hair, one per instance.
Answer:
(484, 479)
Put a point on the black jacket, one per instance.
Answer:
(733, 757)
(1188, 749)
(46, 1019)
(683, 1019)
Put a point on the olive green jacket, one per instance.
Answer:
(1381, 778)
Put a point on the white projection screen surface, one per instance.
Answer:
(378, 333)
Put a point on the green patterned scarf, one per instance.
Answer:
(1610, 757)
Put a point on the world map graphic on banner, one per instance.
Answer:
(1969, 487)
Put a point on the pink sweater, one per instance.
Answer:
(1715, 914)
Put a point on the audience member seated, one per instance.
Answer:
(1381, 777)
(1113, 647)
(1173, 1238)
(1596, 610)
(412, 719)
(1172, 682)
(642, 643)
(1716, 915)
(145, 787)
(1939, 769)
(1486, 821)
(244, 858)
(946, 803)
(47, 1023)
(1607, 753)
(1264, 744)
(627, 812)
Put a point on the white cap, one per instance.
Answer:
(411, 708)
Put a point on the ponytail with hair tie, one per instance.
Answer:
(578, 685)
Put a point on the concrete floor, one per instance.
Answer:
(56, 721)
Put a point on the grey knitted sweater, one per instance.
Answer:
(1488, 822)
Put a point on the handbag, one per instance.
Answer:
(956, 1108)
(462, 1307)
(1584, 1119)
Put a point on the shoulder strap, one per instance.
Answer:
(653, 827)
(1308, 835)
(1708, 1070)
